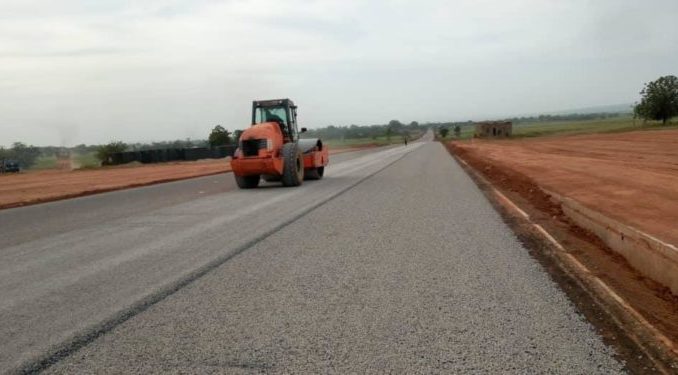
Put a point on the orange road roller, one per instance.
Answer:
(271, 148)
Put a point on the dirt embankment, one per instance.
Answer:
(630, 177)
(48, 185)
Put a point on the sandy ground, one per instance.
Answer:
(632, 177)
(61, 183)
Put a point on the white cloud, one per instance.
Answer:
(91, 71)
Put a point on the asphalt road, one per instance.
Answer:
(395, 262)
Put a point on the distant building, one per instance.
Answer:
(493, 129)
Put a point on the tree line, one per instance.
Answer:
(21, 152)
(658, 102)
(565, 117)
(393, 128)
(220, 136)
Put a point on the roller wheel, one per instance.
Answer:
(314, 173)
(293, 165)
(270, 177)
(247, 182)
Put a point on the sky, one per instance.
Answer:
(75, 72)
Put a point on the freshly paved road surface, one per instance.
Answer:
(394, 262)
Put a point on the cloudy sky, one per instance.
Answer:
(93, 71)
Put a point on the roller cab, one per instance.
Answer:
(272, 149)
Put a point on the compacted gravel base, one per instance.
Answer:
(411, 271)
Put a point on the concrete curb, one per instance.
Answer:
(654, 258)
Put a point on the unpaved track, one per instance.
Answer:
(408, 268)
(50, 185)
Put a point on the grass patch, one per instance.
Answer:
(78, 161)
(466, 133)
(45, 162)
(553, 128)
(615, 125)
(88, 161)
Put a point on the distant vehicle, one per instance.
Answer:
(9, 166)
(272, 149)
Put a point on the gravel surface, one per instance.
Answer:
(410, 271)
(51, 219)
(73, 268)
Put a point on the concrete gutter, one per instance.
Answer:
(651, 256)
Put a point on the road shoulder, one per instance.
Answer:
(638, 343)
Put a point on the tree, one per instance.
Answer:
(457, 131)
(389, 133)
(395, 124)
(83, 149)
(236, 135)
(443, 132)
(104, 152)
(659, 100)
(219, 136)
(24, 154)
